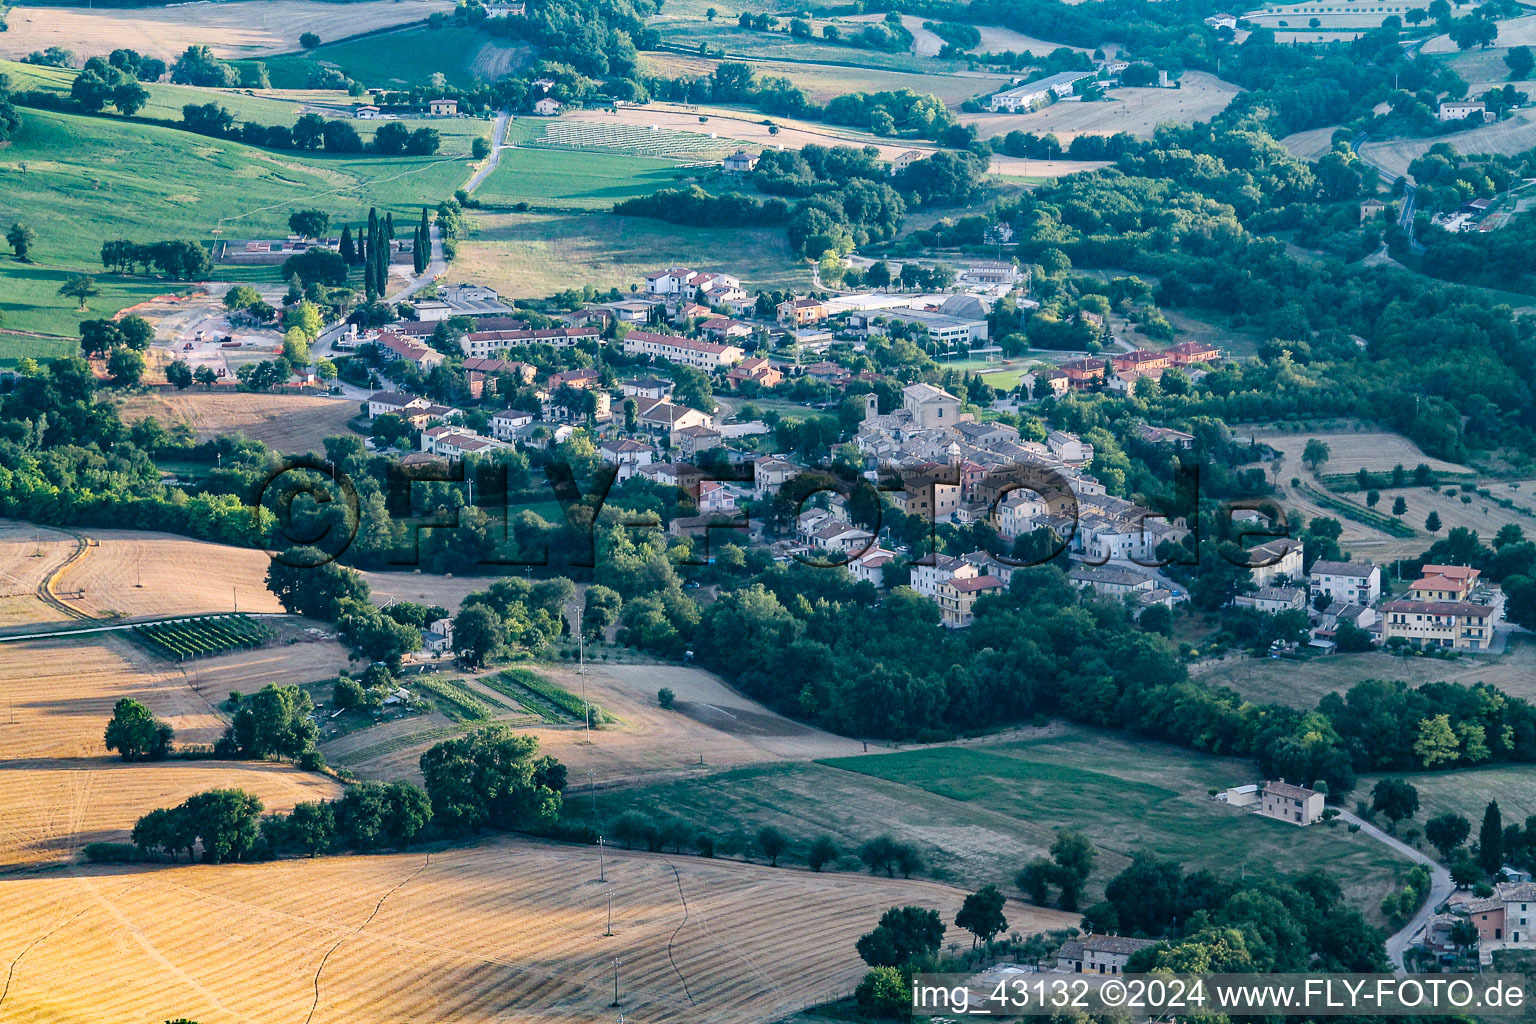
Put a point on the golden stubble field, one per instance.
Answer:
(285, 423)
(59, 786)
(231, 30)
(503, 930)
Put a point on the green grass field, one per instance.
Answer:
(538, 254)
(79, 181)
(1467, 793)
(586, 181)
(725, 34)
(407, 57)
(980, 812)
(1264, 679)
(13, 348)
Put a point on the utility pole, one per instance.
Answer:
(592, 790)
(616, 963)
(609, 934)
(602, 869)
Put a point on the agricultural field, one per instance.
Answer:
(552, 178)
(824, 81)
(16, 347)
(1300, 15)
(995, 39)
(465, 56)
(238, 29)
(529, 255)
(1467, 792)
(980, 810)
(1310, 145)
(746, 127)
(29, 555)
(710, 727)
(1136, 110)
(736, 42)
(285, 423)
(84, 172)
(63, 789)
(1514, 134)
(380, 938)
(1287, 682)
(1512, 32)
(201, 637)
(626, 137)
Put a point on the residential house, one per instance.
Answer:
(664, 415)
(724, 330)
(1371, 209)
(769, 474)
(1015, 514)
(1166, 435)
(367, 112)
(1110, 581)
(1279, 557)
(1098, 954)
(1083, 372)
(453, 443)
(1272, 600)
(546, 106)
(1039, 383)
(505, 424)
(1186, 353)
(937, 569)
(956, 598)
(756, 370)
(1295, 804)
(443, 107)
(397, 402)
(1347, 582)
(829, 372)
(869, 566)
(704, 355)
(1142, 361)
(646, 387)
(627, 454)
(991, 273)
(906, 158)
(694, 440)
(712, 497)
(1069, 448)
(801, 312)
(1444, 583)
(1222, 20)
(393, 347)
(581, 380)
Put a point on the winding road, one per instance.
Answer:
(1440, 886)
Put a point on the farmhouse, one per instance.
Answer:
(1370, 209)
(443, 107)
(365, 113)
(1346, 582)
(1026, 97)
(740, 162)
(1295, 804)
(901, 161)
(705, 355)
(547, 107)
(1222, 21)
(1461, 110)
(1098, 954)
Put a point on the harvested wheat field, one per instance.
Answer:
(29, 555)
(1136, 110)
(285, 423)
(1514, 134)
(231, 29)
(710, 722)
(1374, 450)
(505, 930)
(1313, 144)
(59, 785)
(129, 573)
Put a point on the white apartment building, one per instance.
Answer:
(1347, 582)
(704, 355)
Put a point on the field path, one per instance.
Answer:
(498, 143)
(45, 588)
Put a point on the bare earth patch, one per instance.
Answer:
(240, 29)
(287, 423)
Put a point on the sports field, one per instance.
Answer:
(239, 29)
(529, 255)
(979, 811)
(546, 178)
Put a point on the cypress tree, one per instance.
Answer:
(1490, 839)
(389, 226)
(348, 251)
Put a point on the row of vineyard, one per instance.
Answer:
(201, 636)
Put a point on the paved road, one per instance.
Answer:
(498, 143)
(1440, 887)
